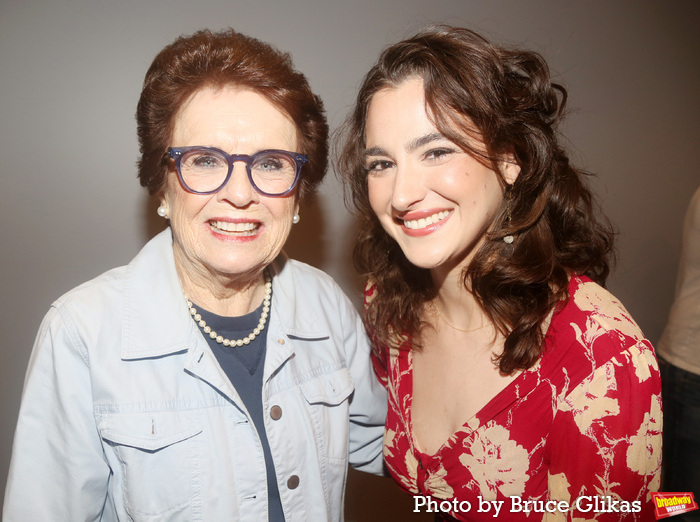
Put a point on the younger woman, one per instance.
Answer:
(511, 371)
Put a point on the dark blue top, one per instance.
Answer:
(244, 366)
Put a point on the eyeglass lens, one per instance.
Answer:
(206, 171)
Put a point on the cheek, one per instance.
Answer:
(183, 207)
(379, 195)
(281, 211)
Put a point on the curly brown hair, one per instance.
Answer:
(226, 58)
(507, 101)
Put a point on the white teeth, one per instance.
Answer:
(247, 227)
(417, 224)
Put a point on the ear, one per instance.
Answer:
(510, 168)
(162, 200)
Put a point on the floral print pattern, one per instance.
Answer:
(586, 420)
(494, 446)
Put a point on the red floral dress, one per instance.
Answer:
(584, 422)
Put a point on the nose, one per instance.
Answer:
(238, 190)
(409, 187)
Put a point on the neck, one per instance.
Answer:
(231, 296)
(455, 302)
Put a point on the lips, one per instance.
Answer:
(237, 228)
(424, 222)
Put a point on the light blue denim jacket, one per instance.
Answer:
(126, 414)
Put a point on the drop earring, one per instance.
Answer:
(162, 211)
(296, 219)
(509, 238)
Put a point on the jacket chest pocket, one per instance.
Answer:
(158, 459)
(328, 400)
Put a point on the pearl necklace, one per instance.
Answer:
(237, 342)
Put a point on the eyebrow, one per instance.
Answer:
(423, 140)
(412, 145)
(374, 151)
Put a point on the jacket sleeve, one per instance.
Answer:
(57, 471)
(606, 439)
(369, 402)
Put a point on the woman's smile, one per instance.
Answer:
(235, 228)
(416, 223)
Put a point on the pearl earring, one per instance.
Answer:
(296, 219)
(162, 211)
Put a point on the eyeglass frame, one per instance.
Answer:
(177, 153)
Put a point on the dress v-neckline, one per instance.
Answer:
(515, 390)
(509, 394)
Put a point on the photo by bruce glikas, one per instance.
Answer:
(582, 507)
(513, 375)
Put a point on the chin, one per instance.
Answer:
(427, 263)
(233, 266)
(434, 261)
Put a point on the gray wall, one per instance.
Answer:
(70, 76)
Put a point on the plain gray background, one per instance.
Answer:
(70, 77)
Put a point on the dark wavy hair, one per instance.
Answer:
(478, 91)
(226, 58)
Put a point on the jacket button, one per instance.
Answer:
(293, 482)
(280, 341)
(276, 412)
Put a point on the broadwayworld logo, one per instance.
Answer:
(670, 504)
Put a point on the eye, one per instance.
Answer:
(377, 166)
(269, 164)
(439, 154)
(205, 161)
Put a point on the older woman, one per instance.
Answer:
(212, 378)
(513, 376)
